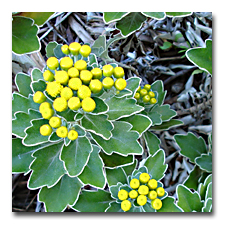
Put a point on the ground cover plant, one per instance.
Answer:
(94, 127)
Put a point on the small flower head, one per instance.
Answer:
(125, 205)
(133, 194)
(107, 82)
(144, 178)
(160, 191)
(47, 113)
(147, 87)
(43, 106)
(83, 92)
(156, 204)
(97, 73)
(73, 72)
(143, 92)
(137, 95)
(72, 135)
(107, 70)
(39, 97)
(118, 72)
(74, 48)
(146, 98)
(45, 130)
(152, 184)
(66, 93)
(120, 84)
(55, 122)
(88, 104)
(53, 88)
(62, 132)
(52, 63)
(65, 49)
(75, 83)
(61, 77)
(85, 50)
(152, 195)
(74, 103)
(134, 183)
(80, 64)
(143, 190)
(48, 75)
(122, 194)
(60, 104)
(66, 63)
(95, 86)
(153, 100)
(151, 94)
(85, 76)
(141, 200)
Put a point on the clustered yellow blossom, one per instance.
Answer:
(145, 94)
(71, 83)
(143, 189)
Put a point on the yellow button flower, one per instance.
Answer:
(80, 64)
(66, 63)
(60, 104)
(118, 72)
(160, 191)
(153, 100)
(120, 84)
(95, 86)
(88, 104)
(83, 92)
(61, 76)
(85, 50)
(141, 200)
(107, 82)
(137, 95)
(151, 94)
(47, 113)
(122, 194)
(55, 122)
(73, 72)
(72, 135)
(133, 194)
(39, 97)
(65, 49)
(152, 195)
(146, 98)
(75, 83)
(45, 130)
(85, 76)
(125, 205)
(144, 178)
(97, 73)
(43, 106)
(134, 183)
(62, 132)
(52, 63)
(107, 70)
(74, 48)
(152, 184)
(143, 190)
(156, 204)
(143, 92)
(147, 87)
(74, 103)
(53, 88)
(48, 75)
(66, 93)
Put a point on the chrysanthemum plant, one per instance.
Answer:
(79, 124)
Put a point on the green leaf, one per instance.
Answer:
(24, 35)
(192, 180)
(205, 162)
(167, 125)
(113, 16)
(132, 84)
(23, 81)
(115, 160)
(23, 104)
(155, 118)
(169, 205)
(114, 207)
(209, 191)
(201, 57)
(158, 87)
(33, 136)
(50, 49)
(156, 165)
(207, 205)
(123, 140)
(178, 14)
(39, 17)
(155, 15)
(22, 121)
(39, 85)
(203, 187)
(36, 74)
(64, 193)
(97, 124)
(191, 146)
(165, 112)
(93, 172)
(122, 107)
(130, 23)
(101, 106)
(148, 207)
(93, 201)
(47, 167)
(152, 142)
(166, 45)
(76, 155)
(187, 200)
(139, 122)
(115, 175)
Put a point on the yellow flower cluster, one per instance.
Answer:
(143, 189)
(71, 85)
(145, 94)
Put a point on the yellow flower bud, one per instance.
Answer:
(74, 103)
(156, 204)
(66, 93)
(97, 73)
(52, 63)
(143, 190)
(45, 130)
(134, 183)
(55, 122)
(39, 97)
(152, 184)
(85, 50)
(118, 72)
(88, 104)
(62, 132)
(74, 48)
(160, 191)
(122, 194)
(66, 63)
(141, 200)
(120, 84)
(125, 205)
(60, 104)
(72, 135)
(48, 75)
(144, 178)
(80, 65)
(83, 92)
(61, 76)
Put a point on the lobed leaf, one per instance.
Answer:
(23, 81)
(115, 175)
(113, 16)
(167, 125)
(169, 205)
(205, 162)
(152, 142)
(155, 15)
